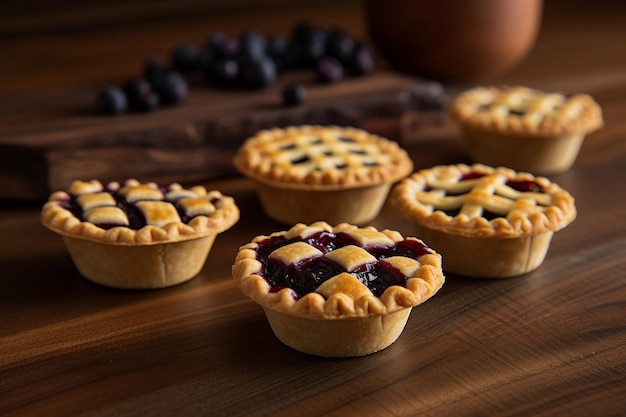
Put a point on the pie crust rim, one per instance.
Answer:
(464, 109)
(560, 213)
(250, 161)
(62, 221)
(425, 281)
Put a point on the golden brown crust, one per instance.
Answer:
(522, 213)
(348, 300)
(59, 219)
(364, 160)
(521, 111)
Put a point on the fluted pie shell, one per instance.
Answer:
(341, 317)
(166, 250)
(486, 222)
(309, 173)
(525, 129)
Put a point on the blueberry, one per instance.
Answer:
(225, 72)
(329, 70)
(228, 48)
(218, 46)
(216, 40)
(293, 94)
(172, 88)
(206, 58)
(276, 48)
(148, 103)
(141, 97)
(185, 57)
(362, 61)
(252, 45)
(112, 100)
(308, 45)
(154, 69)
(258, 73)
(311, 52)
(341, 46)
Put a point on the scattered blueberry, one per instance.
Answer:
(258, 73)
(229, 47)
(172, 88)
(293, 94)
(154, 69)
(225, 72)
(252, 45)
(249, 61)
(341, 46)
(141, 96)
(216, 40)
(329, 70)
(211, 51)
(362, 61)
(112, 100)
(276, 48)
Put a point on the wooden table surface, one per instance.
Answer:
(550, 343)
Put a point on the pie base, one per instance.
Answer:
(342, 337)
(290, 206)
(538, 155)
(485, 257)
(139, 266)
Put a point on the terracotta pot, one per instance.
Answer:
(454, 40)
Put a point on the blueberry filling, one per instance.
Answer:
(136, 218)
(472, 175)
(305, 276)
(300, 160)
(518, 185)
(525, 186)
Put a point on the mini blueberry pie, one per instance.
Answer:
(486, 222)
(138, 236)
(331, 173)
(337, 291)
(525, 129)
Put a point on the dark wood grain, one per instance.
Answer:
(550, 343)
(48, 140)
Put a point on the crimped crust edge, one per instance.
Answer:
(424, 283)
(249, 163)
(462, 109)
(62, 221)
(555, 217)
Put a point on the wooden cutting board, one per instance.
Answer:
(52, 137)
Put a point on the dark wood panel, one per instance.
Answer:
(48, 140)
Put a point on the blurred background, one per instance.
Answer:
(51, 43)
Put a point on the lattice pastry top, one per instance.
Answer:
(526, 112)
(344, 271)
(137, 213)
(322, 157)
(479, 201)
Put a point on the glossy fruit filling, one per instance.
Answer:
(136, 218)
(305, 276)
(518, 185)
